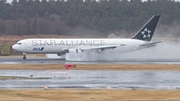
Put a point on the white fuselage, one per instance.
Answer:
(54, 46)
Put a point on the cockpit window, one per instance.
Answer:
(19, 43)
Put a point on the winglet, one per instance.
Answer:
(147, 31)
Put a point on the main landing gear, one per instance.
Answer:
(24, 56)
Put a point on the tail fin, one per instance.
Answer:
(147, 31)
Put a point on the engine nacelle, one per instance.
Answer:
(73, 50)
(68, 51)
(61, 53)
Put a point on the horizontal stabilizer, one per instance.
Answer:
(151, 44)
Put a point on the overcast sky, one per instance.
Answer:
(142, 0)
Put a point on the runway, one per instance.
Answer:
(87, 79)
(90, 79)
(44, 60)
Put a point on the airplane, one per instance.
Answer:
(141, 40)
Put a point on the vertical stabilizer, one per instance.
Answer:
(147, 31)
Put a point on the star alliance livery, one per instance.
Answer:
(141, 40)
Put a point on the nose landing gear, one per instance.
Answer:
(24, 56)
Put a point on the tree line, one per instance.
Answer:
(61, 17)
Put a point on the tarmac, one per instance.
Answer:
(44, 60)
(87, 79)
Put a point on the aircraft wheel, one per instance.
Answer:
(24, 56)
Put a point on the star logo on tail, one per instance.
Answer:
(146, 33)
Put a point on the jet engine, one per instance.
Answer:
(61, 53)
(73, 50)
(68, 51)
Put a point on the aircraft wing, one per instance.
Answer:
(101, 47)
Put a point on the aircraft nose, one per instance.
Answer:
(14, 47)
(17, 47)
